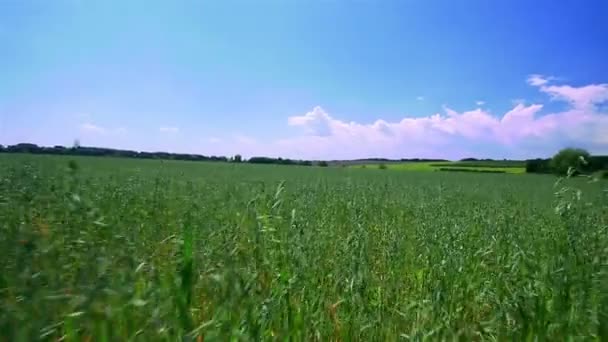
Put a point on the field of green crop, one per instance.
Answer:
(479, 166)
(121, 249)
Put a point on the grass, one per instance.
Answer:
(122, 249)
(504, 167)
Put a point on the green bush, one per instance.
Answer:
(567, 158)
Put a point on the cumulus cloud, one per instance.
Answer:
(169, 129)
(523, 131)
(315, 122)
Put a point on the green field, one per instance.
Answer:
(121, 249)
(479, 166)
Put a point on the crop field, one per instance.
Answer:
(103, 249)
(477, 166)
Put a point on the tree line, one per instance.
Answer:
(78, 150)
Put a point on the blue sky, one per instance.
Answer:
(307, 79)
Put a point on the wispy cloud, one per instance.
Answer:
(585, 97)
(539, 80)
(169, 129)
(579, 97)
(420, 98)
(480, 103)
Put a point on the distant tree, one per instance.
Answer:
(262, 160)
(24, 148)
(382, 166)
(78, 149)
(538, 166)
(323, 163)
(569, 157)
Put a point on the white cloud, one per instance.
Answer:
(420, 98)
(316, 122)
(584, 97)
(581, 97)
(538, 80)
(480, 103)
(169, 129)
